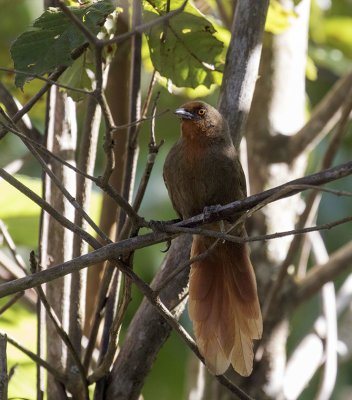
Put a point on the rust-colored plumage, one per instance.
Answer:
(203, 169)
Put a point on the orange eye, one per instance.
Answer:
(201, 112)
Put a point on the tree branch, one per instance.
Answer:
(242, 63)
(339, 262)
(320, 117)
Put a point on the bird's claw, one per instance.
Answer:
(209, 211)
(168, 245)
(157, 226)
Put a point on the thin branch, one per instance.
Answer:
(47, 152)
(231, 209)
(108, 140)
(49, 209)
(4, 378)
(12, 247)
(12, 105)
(79, 24)
(98, 181)
(339, 262)
(99, 311)
(321, 115)
(58, 326)
(144, 27)
(67, 194)
(153, 151)
(112, 192)
(143, 119)
(11, 302)
(108, 358)
(53, 76)
(60, 376)
(50, 81)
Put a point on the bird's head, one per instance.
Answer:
(200, 120)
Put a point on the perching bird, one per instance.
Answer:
(202, 169)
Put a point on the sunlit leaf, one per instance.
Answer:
(185, 50)
(52, 38)
(77, 77)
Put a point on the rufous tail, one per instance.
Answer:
(224, 306)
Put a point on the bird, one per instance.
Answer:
(202, 170)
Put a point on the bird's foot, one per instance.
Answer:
(210, 211)
(157, 226)
(160, 226)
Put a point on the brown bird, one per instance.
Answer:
(202, 169)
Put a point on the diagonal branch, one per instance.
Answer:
(339, 262)
(322, 114)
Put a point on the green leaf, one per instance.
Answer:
(185, 50)
(77, 77)
(52, 39)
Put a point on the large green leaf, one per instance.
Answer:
(185, 49)
(52, 38)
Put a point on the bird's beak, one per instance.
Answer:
(182, 113)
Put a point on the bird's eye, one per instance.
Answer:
(201, 112)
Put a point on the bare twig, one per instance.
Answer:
(99, 310)
(143, 119)
(66, 194)
(144, 27)
(11, 302)
(58, 326)
(12, 247)
(321, 115)
(42, 149)
(12, 105)
(53, 77)
(46, 206)
(59, 375)
(340, 261)
(50, 81)
(3, 368)
(98, 181)
(108, 358)
(76, 21)
(153, 151)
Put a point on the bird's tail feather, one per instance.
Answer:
(223, 306)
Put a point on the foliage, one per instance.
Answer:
(185, 49)
(53, 38)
